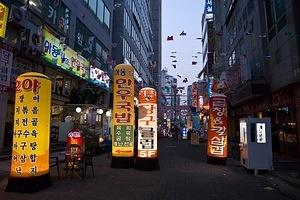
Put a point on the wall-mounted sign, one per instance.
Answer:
(6, 59)
(99, 77)
(3, 19)
(217, 127)
(209, 6)
(30, 150)
(123, 112)
(63, 56)
(147, 124)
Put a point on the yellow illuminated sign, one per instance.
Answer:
(3, 19)
(30, 150)
(123, 112)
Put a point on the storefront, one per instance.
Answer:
(285, 114)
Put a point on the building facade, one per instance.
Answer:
(133, 37)
(70, 42)
(257, 53)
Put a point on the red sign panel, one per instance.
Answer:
(217, 127)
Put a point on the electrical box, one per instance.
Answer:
(256, 143)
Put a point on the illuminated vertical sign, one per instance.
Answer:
(3, 19)
(147, 124)
(209, 6)
(30, 150)
(123, 112)
(217, 127)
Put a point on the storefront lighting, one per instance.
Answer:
(100, 111)
(78, 109)
(108, 113)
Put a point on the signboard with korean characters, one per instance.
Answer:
(123, 112)
(217, 126)
(63, 56)
(209, 6)
(99, 77)
(3, 19)
(147, 123)
(30, 150)
(6, 60)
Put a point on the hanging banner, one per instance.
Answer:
(123, 112)
(30, 150)
(147, 124)
(3, 19)
(217, 126)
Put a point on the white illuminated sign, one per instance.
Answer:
(99, 77)
(243, 132)
(261, 132)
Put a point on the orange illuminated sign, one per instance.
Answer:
(123, 112)
(147, 124)
(217, 127)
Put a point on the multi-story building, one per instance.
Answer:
(156, 57)
(208, 42)
(257, 52)
(133, 36)
(69, 41)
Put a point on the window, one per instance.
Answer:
(279, 8)
(107, 17)
(276, 16)
(100, 11)
(93, 5)
(98, 50)
(270, 13)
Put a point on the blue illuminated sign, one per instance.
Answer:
(208, 6)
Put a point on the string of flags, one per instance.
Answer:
(174, 54)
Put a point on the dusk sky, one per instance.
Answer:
(178, 16)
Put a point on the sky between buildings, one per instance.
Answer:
(179, 16)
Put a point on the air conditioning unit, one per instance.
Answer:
(18, 15)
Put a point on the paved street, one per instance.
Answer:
(183, 174)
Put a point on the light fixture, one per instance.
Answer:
(78, 109)
(108, 113)
(100, 111)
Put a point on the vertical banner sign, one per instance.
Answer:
(217, 127)
(30, 150)
(3, 19)
(147, 130)
(209, 6)
(195, 94)
(6, 61)
(123, 112)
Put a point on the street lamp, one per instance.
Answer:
(100, 111)
(108, 113)
(78, 109)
